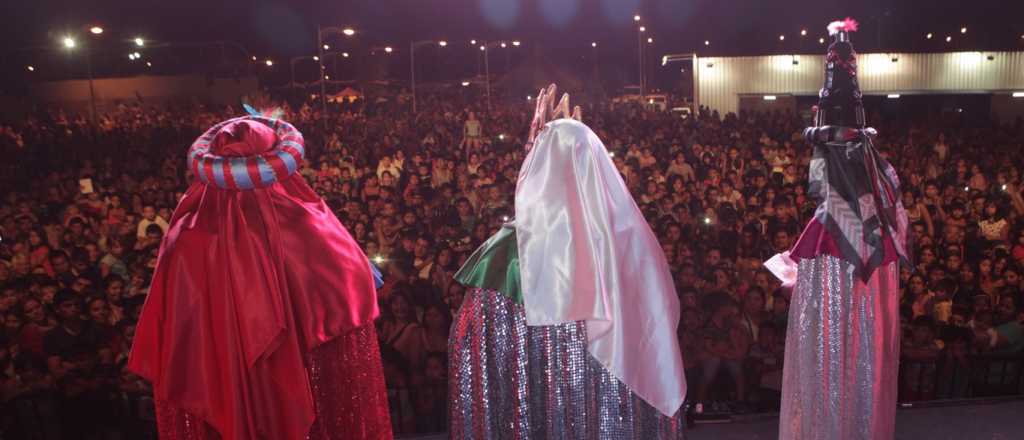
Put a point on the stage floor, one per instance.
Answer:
(992, 420)
(999, 420)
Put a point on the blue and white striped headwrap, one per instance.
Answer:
(248, 172)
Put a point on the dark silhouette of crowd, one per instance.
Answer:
(84, 209)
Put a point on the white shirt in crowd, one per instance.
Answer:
(144, 224)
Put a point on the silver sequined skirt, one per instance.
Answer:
(842, 353)
(510, 381)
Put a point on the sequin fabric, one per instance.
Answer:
(348, 389)
(176, 424)
(842, 353)
(511, 381)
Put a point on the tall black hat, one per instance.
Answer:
(840, 99)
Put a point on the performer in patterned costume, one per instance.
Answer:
(842, 344)
(569, 331)
(259, 321)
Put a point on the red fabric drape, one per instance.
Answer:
(348, 390)
(246, 284)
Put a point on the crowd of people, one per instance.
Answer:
(84, 209)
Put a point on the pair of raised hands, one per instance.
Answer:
(547, 110)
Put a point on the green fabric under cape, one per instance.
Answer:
(495, 265)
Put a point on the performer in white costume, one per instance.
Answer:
(570, 328)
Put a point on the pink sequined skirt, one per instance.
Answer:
(842, 353)
(508, 381)
(347, 383)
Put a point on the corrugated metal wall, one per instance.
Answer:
(722, 79)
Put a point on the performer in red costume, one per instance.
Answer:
(259, 321)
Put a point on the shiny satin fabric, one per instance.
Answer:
(587, 254)
(348, 391)
(495, 265)
(247, 282)
(842, 353)
(508, 380)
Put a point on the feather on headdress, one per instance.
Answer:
(273, 113)
(845, 25)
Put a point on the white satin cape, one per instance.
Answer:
(587, 254)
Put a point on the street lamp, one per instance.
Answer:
(487, 65)
(140, 42)
(388, 49)
(321, 33)
(269, 62)
(684, 58)
(640, 54)
(412, 64)
(294, 60)
(70, 44)
(30, 68)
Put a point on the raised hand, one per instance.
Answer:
(547, 110)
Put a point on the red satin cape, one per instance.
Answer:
(247, 282)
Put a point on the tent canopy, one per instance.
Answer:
(347, 94)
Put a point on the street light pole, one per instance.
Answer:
(412, 64)
(412, 72)
(320, 31)
(69, 44)
(640, 59)
(92, 91)
(487, 72)
(295, 60)
(323, 86)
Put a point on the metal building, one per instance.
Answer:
(723, 82)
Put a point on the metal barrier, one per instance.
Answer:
(419, 410)
(947, 377)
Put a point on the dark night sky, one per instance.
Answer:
(559, 28)
(734, 26)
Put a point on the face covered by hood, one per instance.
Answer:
(587, 254)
